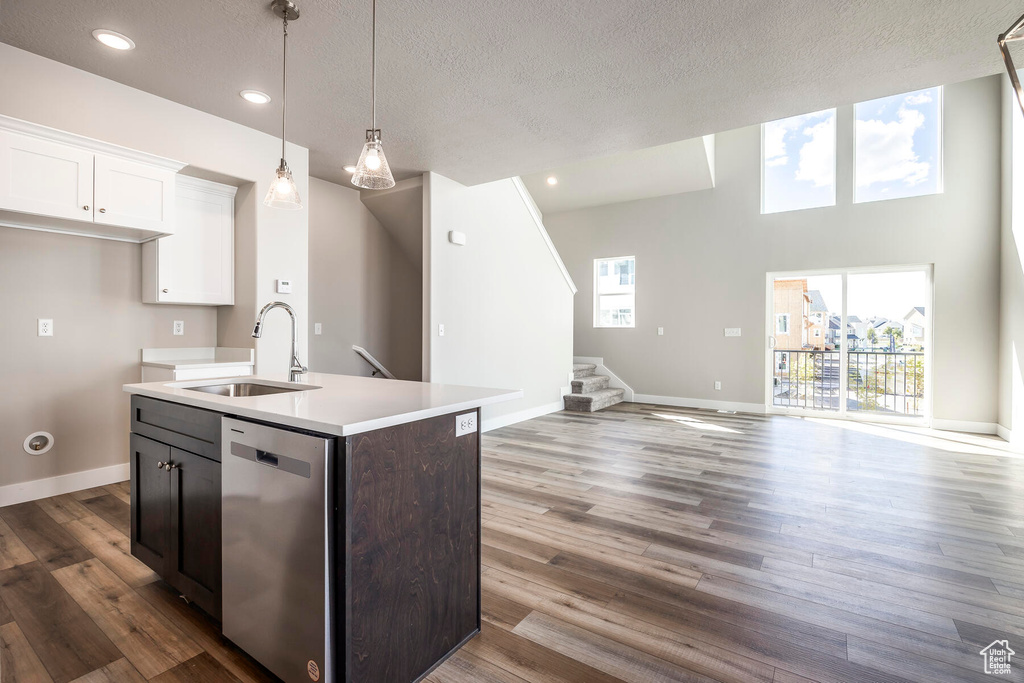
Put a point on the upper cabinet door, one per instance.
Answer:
(45, 178)
(197, 263)
(134, 195)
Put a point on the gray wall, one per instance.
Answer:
(70, 384)
(702, 257)
(363, 289)
(93, 287)
(1011, 300)
(505, 304)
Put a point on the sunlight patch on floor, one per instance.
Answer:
(954, 442)
(694, 423)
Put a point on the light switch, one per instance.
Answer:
(456, 237)
(284, 286)
(440, 330)
(732, 332)
(317, 328)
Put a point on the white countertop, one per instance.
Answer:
(195, 358)
(342, 405)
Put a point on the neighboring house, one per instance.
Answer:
(817, 320)
(832, 334)
(914, 324)
(791, 309)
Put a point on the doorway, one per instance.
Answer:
(852, 343)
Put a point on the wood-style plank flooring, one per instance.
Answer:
(640, 543)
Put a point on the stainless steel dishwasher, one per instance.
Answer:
(277, 518)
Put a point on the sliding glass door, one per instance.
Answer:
(850, 343)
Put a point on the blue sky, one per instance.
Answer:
(898, 153)
(800, 162)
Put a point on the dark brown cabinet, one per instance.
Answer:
(176, 500)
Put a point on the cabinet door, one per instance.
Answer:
(151, 503)
(195, 522)
(45, 178)
(196, 265)
(133, 195)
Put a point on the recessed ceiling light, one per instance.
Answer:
(255, 96)
(552, 180)
(350, 169)
(113, 39)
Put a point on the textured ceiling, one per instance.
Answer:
(677, 167)
(483, 90)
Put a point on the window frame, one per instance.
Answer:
(778, 318)
(940, 160)
(598, 294)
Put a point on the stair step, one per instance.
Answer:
(595, 400)
(585, 385)
(580, 370)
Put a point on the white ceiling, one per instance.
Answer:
(653, 172)
(485, 90)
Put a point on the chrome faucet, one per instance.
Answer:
(297, 368)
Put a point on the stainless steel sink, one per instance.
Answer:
(243, 389)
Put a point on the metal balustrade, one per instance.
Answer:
(877, 381)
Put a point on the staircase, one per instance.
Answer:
(590, 392)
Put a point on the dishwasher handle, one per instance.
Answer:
(282, 463)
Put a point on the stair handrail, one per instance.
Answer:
(374, 363)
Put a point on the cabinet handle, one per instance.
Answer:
(169, 466)
(165, 290)
(103, 210)
(160, 465)
(85, 208)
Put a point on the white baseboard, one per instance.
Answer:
(488, 424)
(65, 483)
(699, 403)
(966, 426)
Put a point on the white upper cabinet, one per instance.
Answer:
(196, 264)
(42, 177)
(133, 195)
(58, 181)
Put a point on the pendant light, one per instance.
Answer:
(283, 194)
(372, 171)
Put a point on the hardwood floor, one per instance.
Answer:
(640, 543)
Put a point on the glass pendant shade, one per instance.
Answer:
(372, 171)
(283, 194)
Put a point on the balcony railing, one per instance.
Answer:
(877, 381)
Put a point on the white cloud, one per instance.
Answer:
(776, 161)
(777, 132)
(918, 98)
(885, 150)
(818, 155)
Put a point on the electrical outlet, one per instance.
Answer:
(317, 328)
(45, 328)
(179, 328)
(718, 386)
(661, 331)
(440, 330)
(465, 424)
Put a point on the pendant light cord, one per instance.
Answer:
(373, 67)
(284, 87)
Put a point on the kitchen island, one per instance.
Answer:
(332, 524)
